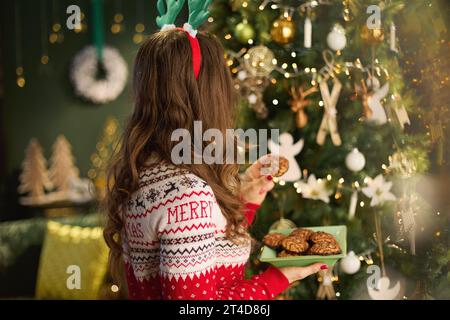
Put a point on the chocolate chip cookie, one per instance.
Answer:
(273, 240)
(283, 166)
(320, 236)
(302, 233)
(324, 248)
(295, 244)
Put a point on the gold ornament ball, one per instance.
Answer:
(372, 36)
(259, 61)
(283, 30)
(244, 32)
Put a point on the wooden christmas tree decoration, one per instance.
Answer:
(34, 178)
(63, 169)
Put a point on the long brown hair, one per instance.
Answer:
(168, 97)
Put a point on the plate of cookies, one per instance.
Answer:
(303, 246)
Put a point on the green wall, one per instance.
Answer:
(47, 106)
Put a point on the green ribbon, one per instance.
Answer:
(97, 27)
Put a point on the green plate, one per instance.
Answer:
(339, 232)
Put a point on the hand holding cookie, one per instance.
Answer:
(268, 165)
(255, 184)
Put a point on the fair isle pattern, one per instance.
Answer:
(175, 246)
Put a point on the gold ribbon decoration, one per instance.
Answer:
(298, 103)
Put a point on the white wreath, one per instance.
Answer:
(83, 74)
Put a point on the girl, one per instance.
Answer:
(182, 229)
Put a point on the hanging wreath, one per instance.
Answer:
(85, 74)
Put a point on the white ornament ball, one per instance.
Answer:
(336, 39)
(350, 264)
(355, 160)
(252, 98)
(242, 75)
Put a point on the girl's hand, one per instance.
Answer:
(298, 273)
(256, 181)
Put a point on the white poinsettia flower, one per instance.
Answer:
(314, 189)
(379, 190)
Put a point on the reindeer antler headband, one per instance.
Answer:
(198, 13)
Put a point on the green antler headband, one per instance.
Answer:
(198, 13)
(170, 9)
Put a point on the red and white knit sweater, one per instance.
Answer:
(175, 246)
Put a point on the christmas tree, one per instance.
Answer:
(328, 73)
(62, 169)
(34, 178)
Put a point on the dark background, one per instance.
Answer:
(47, 105)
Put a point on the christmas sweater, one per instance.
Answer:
(175, 246)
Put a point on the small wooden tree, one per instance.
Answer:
(62, 169)
(34, 178)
